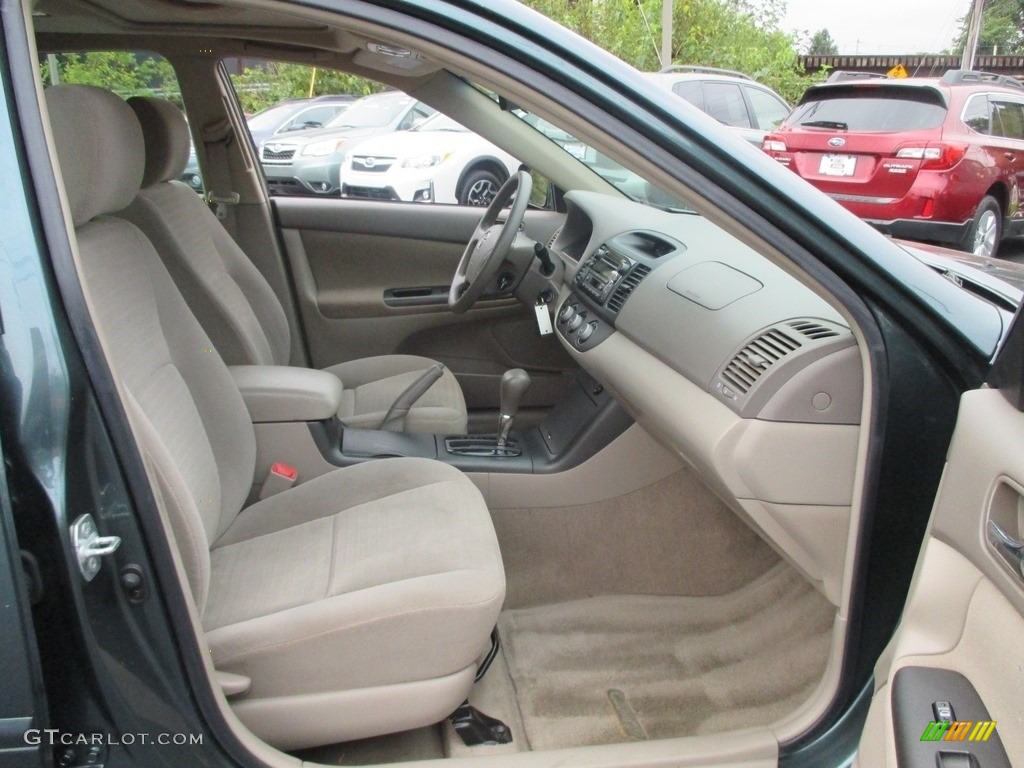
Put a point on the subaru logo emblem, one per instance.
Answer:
(369, 162)
(836, 141)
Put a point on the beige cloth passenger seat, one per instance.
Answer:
(357, 603)
(235, 304)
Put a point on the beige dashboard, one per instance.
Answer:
(746, 374)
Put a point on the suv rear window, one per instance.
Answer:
(870, 110)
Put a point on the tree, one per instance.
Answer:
(822, 44)
(127, 74)
(743, 35)
(1002, 28)
(272, 82)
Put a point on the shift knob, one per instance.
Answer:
(514, 384)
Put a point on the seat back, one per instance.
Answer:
(231, 299)
(193, 426)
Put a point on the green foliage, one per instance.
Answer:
(1002, 26)
(272, 82)
(822, 44)
(127, 74)
(743, 35)
(142, 74)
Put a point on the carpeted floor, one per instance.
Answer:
(619, 668)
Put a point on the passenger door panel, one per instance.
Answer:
(371, 278)
(965, 612)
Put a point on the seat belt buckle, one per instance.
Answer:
(280, 478)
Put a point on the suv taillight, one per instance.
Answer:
(936, 156)
(773, 144)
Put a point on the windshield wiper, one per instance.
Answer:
(835, 125)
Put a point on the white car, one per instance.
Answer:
(439, 161)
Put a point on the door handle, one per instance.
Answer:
(1010, 546)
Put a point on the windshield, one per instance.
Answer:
(630, 184)
(268, 119)
(372, 112)
(441, 122)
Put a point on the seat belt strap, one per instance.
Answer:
(217, 138)
(394, 420)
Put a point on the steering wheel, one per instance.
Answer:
(490, 243)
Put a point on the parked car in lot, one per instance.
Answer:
(293, 115)
(438, 161)
(286, 117)
(310, 163)
(600, 480)
(734, 99)
(932, 159)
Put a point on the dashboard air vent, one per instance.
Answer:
(750, 363)
(554, 236)
(627, 286)
(812, 330)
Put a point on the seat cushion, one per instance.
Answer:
(379, 574)
(372, 384)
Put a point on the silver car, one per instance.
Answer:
(309, 164)
(732, 98)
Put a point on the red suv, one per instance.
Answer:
(940, 160)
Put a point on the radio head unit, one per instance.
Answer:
(599, 274)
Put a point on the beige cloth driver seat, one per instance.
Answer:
(235, 304)
(357, 603)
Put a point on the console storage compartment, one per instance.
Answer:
(276, 393)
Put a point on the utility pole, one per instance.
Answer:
(51, 60)
(973, 33)
(666, 32)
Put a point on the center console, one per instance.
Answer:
(603, 283)
(584, 421)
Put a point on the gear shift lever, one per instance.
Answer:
(514, 384)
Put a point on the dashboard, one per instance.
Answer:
(748, 375)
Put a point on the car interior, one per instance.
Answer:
(584, 469)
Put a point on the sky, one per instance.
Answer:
(880, 26)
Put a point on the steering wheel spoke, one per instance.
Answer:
(490, 243)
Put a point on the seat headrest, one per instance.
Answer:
(99, 148)
(168, 141)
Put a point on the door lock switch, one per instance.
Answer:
(943, 712)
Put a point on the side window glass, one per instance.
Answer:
(381, 145)
(769, 111)
(126, 73)
(724, 102)
(691, 91)
(1008, 119)
(976, 114)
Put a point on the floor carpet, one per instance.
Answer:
(610, 669)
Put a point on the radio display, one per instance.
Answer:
(604, 270)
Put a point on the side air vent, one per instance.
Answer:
(812, 330)
(627, 286)
(751, 362)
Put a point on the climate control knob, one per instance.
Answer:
(586, 332)
(567, 312)
(575, 322)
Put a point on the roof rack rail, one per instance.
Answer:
(845, 75)
(960, 76)
(703, 70)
